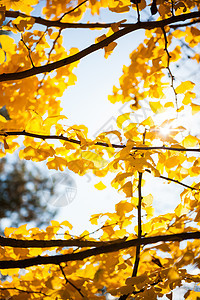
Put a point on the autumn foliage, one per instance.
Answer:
(137, 253)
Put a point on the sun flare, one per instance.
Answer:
(165, 130)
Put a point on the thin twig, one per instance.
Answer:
(43, 34)
(23, 291)
(48, 60)
(54, 43)
(168, 68)
(174, 180)
(172, 10)
(29, 51)
(73, 9)
(68, 281)
(101, 228)
(138, 12)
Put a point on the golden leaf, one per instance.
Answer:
(127, 189)
(185, 86)
(190, 141)
(100, 186)
(156, 107)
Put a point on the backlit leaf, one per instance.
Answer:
(156, 107)
(100, 186)
(127, 189)
(185, 86)
(190, 141)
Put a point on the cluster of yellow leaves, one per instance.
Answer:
(20, 5)
(45, 92)
(33, 105)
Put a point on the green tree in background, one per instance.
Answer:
(21, 198)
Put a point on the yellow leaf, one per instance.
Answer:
(148, 122)
(2, 119)
(55, 223)
(35, 123)
(147, 200)
(109, 49)
(23, 23)
(195, 108)
(94, 219)
(122, 118)
(80, 165)
(57, 163)
(64, 294)
(172, 162)
(100, 38)
(52, 120)
(100, 186)
(22, 5)
(67, 224)
(127, 189)
(7, 43)
(9, 230)
(69, 146)
(181, 210)
(115, 26)
(169, 104)
(184, 86)
(2, 56)
(137, 280)
(188, 97)
(54, 283)
(190, 141)
(97, 160)
(173, 274)
(150, 212)
(123, 207)
(117, 133)
(156, 107)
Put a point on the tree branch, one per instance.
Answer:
(137, 258)
(17, 243)
(94, 47)
(185, 24)
(59, 24)
(67, 25)
(29, 51)
(72, 10)
(57, 259)
(64, 138)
